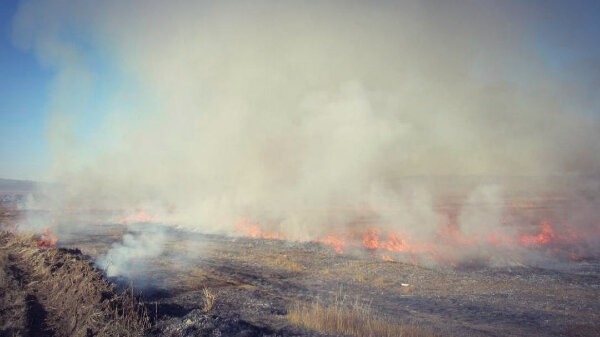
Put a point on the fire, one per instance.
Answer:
(245, 227)
(575, 256)
(337, 243)
(47, 239)
(546, 236)
(139, 216)
(449, 236)
(396, 244)
(451, 233)
(371, 239)
(498, 239)
(448, 245)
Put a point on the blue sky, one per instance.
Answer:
(26, 86)
(23, 87)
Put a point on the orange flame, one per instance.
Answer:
(498, 239)
(139, 216)
(371, 239)
(395, 244)
(546, 236)
(449, 240)
(245, 227)
(575, 256)
(47, 239)
(337, 243)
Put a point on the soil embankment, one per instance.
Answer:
(58, 292)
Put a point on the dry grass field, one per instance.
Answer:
(209, 285)
(350, 319)
(273, 287)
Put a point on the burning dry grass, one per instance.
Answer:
(258, 279)
(355, 319)
(59, 292)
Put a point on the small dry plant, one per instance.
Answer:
(353, 319)
(210, 296)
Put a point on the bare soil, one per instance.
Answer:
(58, 292)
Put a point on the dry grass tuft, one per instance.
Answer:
(210, 296)
(354, 319)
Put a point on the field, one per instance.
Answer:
(194, 284)
(257, 282)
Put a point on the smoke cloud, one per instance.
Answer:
(288, 112)
(131, 257)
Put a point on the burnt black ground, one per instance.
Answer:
(258, 280)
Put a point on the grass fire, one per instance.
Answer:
(316, 168)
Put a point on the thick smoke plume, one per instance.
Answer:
(131, 257)
(297, 115)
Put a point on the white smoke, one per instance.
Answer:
(131, 257)
(287, 112)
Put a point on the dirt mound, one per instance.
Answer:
(58, 292)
